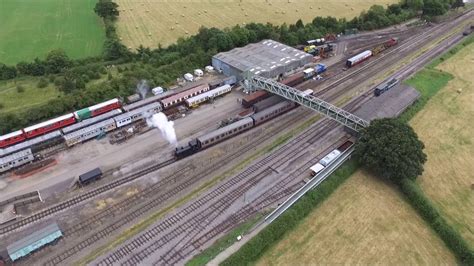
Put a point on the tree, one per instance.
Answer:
(114, 50)
(57, 61)
(458, 4)
(413, 4)
(106, 9)
(391, 149)
(7, 72)
(435, 8)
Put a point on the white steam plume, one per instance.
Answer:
(166, 127)
(142, 88)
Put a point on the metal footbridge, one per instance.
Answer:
(252, 83)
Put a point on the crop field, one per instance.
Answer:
(31, 29)
(445, 125)
(364, 222)
(153, 22)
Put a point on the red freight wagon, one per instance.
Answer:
(50, 125)
(12, 138)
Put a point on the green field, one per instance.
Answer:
(32, 28)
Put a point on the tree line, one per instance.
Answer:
(119, 69)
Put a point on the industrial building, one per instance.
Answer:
(267, 58)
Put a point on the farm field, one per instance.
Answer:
(153, 22)
(445, 126)
(31, 29)
(364, 222)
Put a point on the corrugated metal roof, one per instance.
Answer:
(264, 54)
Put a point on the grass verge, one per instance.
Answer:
(223, 243)
(275, 231)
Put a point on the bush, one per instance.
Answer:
(42, 83)
(20, 89)
(2, 106)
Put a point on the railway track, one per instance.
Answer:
(177, 253)
(80, 198)
(82, 227)
(266, 165)
(407, 46)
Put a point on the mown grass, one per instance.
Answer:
(31, 29)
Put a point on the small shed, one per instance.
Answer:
(34, 241)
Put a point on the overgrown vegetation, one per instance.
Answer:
(275, 231)
(162, 66)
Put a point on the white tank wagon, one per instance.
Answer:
(15, 160)
(91, 121)
(89, 132)
(206, 96)
(137, 114)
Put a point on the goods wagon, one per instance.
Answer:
(97, 109)
(12, 138)
(146, 101)
(253, 98)
(206, 96)
(182, 96)
(50, 125)
(90, 176)
(358, 58)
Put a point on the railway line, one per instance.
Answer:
(170, 257)
(218, 208)
(193, 225)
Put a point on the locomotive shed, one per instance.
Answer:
(267, 58)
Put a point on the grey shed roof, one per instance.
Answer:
(265, 57)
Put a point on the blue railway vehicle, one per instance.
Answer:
(34, 241)
(385, 86)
